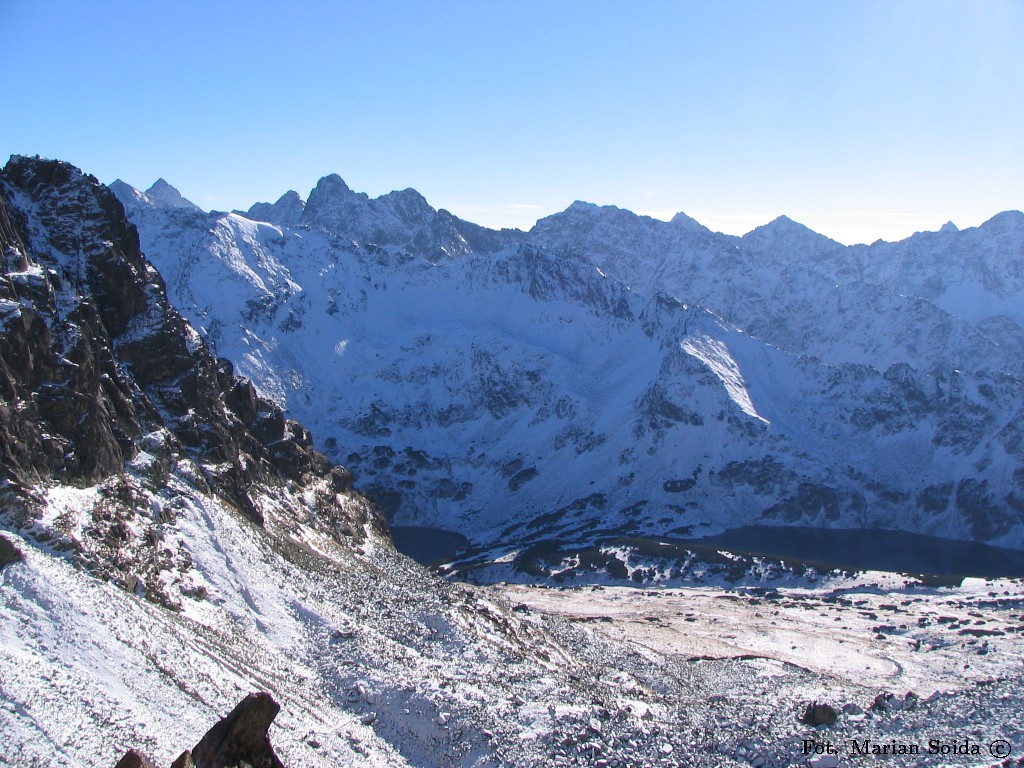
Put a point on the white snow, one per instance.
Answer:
(715, 355)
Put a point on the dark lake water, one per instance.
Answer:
(848, 549)
(427, 545)
(875, 550)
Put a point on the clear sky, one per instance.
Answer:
(859, 119)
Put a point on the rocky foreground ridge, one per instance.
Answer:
(239, 739)
(100, 375)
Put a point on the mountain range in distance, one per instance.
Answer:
(607, 376)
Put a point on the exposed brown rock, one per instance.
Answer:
(239, 740)
(8, 552)
(241, 736)
(135, 759)
(95, 362)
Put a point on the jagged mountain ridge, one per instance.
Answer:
(169, 542)
(527, 388)
(103, 377)
(804, 293)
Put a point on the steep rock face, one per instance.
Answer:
(522, 394)
(402, 219)
(100, 375)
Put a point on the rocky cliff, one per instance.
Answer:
(105, 385)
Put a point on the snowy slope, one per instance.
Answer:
(515, 393)
(170, 542)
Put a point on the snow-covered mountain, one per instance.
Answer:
(937, 301)
(169, 542)
(611, 374)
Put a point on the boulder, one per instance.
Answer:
(239, 740)
(241, 736)
(8, 552)
(134, 759)
(819, 714)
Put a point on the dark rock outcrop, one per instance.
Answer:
(8, 552)
(239, 740)
(135, 759)
(99, 374)
(819, 714)
(241, 736)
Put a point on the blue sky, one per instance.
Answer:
(859, 119)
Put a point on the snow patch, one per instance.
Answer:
(715, 355)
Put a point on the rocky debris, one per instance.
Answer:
(889, 702)
(239, 740)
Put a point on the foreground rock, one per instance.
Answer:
(819, 714)
(8, 552)
(240, 739)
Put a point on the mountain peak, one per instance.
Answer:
(782, 227)
(163, 195)
(688, 223)
(332, 205)
(602, 212)
(333, 184)
(127, 194)
(286, 212)
(407, 196)
(784, 222)
(949, 226)
(1007, 220)
(408, 205)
